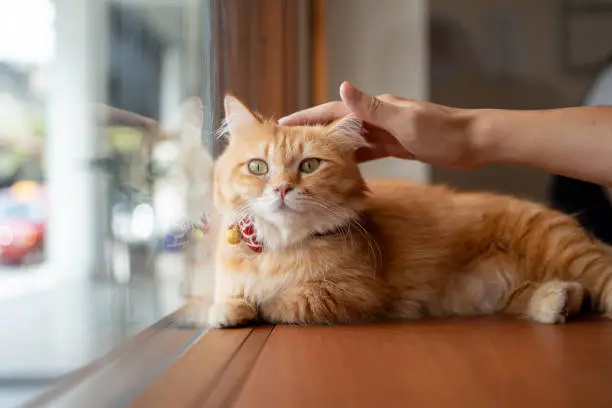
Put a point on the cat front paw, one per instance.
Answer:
(231, 313)
(554, 301)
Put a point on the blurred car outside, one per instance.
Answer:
(22, 223)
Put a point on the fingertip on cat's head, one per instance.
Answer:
(294, 119)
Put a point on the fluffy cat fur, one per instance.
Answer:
(339, 249)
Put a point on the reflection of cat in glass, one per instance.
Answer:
(307, 240)
(185, 183)
(195, 172)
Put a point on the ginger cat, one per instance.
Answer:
(311, 242)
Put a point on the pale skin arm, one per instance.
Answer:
(575, 142)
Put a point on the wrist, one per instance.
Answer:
(476, 133)
(485, 136)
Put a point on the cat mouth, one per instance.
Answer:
(284, 208)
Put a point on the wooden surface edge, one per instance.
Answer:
(72, 381)
(219, 357)
(230, 383)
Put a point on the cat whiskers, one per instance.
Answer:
(375, 250)
(346, 230)
(242, 211)
(334, 209)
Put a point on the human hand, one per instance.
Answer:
(400, 127)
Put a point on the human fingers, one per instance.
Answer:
(367, 107)
(321, 114)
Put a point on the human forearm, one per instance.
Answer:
(575, 142)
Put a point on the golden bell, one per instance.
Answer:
(233, 236)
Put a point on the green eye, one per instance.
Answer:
(257, 167)
(310, 165)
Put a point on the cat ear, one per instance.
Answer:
(348, 131)
(238, 118)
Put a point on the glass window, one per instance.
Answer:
(97, 194)
(90, 185)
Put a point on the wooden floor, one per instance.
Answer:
(484, 362)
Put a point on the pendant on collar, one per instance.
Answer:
(244, 230)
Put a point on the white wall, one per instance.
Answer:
(380, 46)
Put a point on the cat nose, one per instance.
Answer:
(283, 190)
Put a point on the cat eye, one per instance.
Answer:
(257, 167)
(310, 165)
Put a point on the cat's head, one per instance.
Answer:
(292, 181)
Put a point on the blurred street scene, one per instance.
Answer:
(91, 191)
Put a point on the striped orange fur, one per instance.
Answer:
(338, 249)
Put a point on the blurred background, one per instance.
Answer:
(92, 192)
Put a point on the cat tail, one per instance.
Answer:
(553, 245)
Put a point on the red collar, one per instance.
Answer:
(244, 230)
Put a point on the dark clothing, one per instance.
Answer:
(588, 202)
